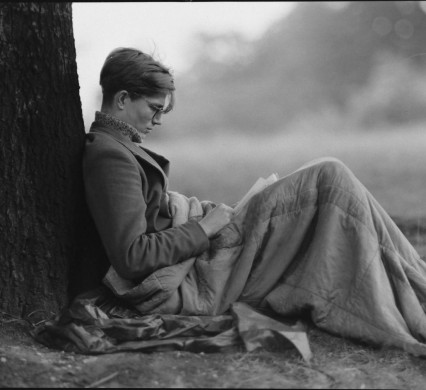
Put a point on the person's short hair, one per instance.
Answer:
(136, 72)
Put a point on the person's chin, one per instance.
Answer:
(143, 133)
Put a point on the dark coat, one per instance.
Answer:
(125, 187)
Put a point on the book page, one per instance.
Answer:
(258, 186)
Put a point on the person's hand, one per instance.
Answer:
(216, 219)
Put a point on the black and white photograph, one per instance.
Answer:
(213, 194)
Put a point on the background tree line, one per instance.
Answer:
(364, 61)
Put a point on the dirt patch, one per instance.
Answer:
(337, 363)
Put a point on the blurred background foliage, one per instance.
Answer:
(362, 62)
(341, 79)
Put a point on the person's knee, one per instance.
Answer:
(328, 170)
(332, 168)
(332, 163)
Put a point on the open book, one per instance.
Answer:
(260, 184)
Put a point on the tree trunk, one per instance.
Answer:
(41, 140)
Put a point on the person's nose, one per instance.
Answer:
(156, 120)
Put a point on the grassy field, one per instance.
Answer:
(391, 163)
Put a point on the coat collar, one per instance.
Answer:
(119, 125)
(137, 150)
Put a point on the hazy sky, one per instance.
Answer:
(164, 27)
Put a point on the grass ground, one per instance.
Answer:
(393, 167)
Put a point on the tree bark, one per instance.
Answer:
(41, 141)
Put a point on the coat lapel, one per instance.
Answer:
(136, 150)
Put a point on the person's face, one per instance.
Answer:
(144, 113)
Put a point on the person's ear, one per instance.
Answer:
(120, 99)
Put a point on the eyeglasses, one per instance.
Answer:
(153, 107)
(157, 110)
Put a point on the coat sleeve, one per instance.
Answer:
(114, 195)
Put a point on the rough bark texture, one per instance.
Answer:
(41, 140)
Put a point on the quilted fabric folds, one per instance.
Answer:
(96, 323)
(315, 243)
